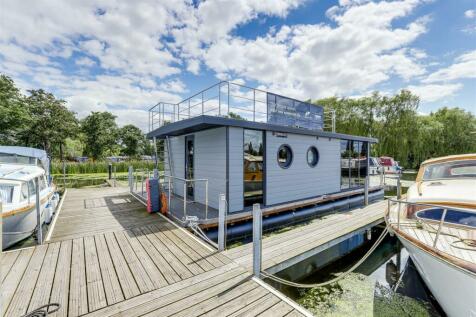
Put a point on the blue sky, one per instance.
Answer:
(123, 56)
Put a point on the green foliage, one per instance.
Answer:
(51, 122)
(13, 112)
(101, 132)
(132, 140)
(402, 133)
(233, 115)
(98, 167)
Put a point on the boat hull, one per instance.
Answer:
(20, 226)
(453, 287)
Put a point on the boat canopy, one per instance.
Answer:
(41, 155)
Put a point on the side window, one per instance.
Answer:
(24, 191)
(285, 156)
(31, 187)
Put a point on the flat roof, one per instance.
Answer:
(204, 122)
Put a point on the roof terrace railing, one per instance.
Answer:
(233, 100)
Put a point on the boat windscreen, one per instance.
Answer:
(457, 217)
(454, 169)
(6, 193)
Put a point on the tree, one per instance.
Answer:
(13, 112)
(100, 130)
(51, 123)
(132, 140)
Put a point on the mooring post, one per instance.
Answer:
(221, 222)
(366, 191)
(39, 233)
(399, 188)
(109, 170)
(130, 176)
(257, 231)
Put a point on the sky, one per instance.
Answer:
(124, 56)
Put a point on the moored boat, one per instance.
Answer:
(19, 170)
(437, 225)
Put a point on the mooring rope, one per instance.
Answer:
(336, 279)
(44, 310)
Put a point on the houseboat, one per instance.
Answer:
(255, 146)
(19, 168)
(437, 225)
(389, 165)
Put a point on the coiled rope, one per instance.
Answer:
(334, 280)
(44, 310)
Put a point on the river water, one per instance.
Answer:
(386, 284)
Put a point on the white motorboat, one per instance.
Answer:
(437, 225)
(19, 168)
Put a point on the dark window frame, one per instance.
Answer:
(316, 156)
(289, 151)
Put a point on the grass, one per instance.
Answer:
(99, 167)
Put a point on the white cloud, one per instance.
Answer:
(470, 14)
(319, 60)
(85, 61)
(464, 67)
(434, 92)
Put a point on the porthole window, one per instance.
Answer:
(285, 156)
(312, 156)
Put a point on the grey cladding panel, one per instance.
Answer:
(235, 144)
(300, 181)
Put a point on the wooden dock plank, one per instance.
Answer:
(146, 302)
(163, 265)
(112, 287)
(140, 275)
(194, 256)
(178, 266)
(19, 303)
(41, 294)
(280, 309)
(180, 254)
(149, 266)
(217, 300)
(60, 289)
(126, 279)
(96, 293)
(13, 278)
(256, 307)
(237, 303)
(6, 263)
(78, 297)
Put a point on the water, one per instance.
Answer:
(386, 284)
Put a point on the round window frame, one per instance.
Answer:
(289, 151)
(316, 157)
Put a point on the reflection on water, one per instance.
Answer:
(386, 284)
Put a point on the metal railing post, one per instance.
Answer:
(129, 177)
(203, 107)
(333, 121)
(257, 231)
(398, 215)
(185, 199)
(254, 105)
(439, 227)
(381, 176)
(206, 199)
(221, 222)
(366, 190)
(142, 182)
(39, 233)
(170, 202)
(399, 188)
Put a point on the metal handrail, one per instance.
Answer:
(441, 222)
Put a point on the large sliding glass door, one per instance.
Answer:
(253, 169)
(354, 169)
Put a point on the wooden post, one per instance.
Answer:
(366, 191)
(39, 233)
(221, 222)
(257, 231)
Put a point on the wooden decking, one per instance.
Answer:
(107, 257)
(285, 249)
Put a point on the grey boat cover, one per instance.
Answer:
(28, 152)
